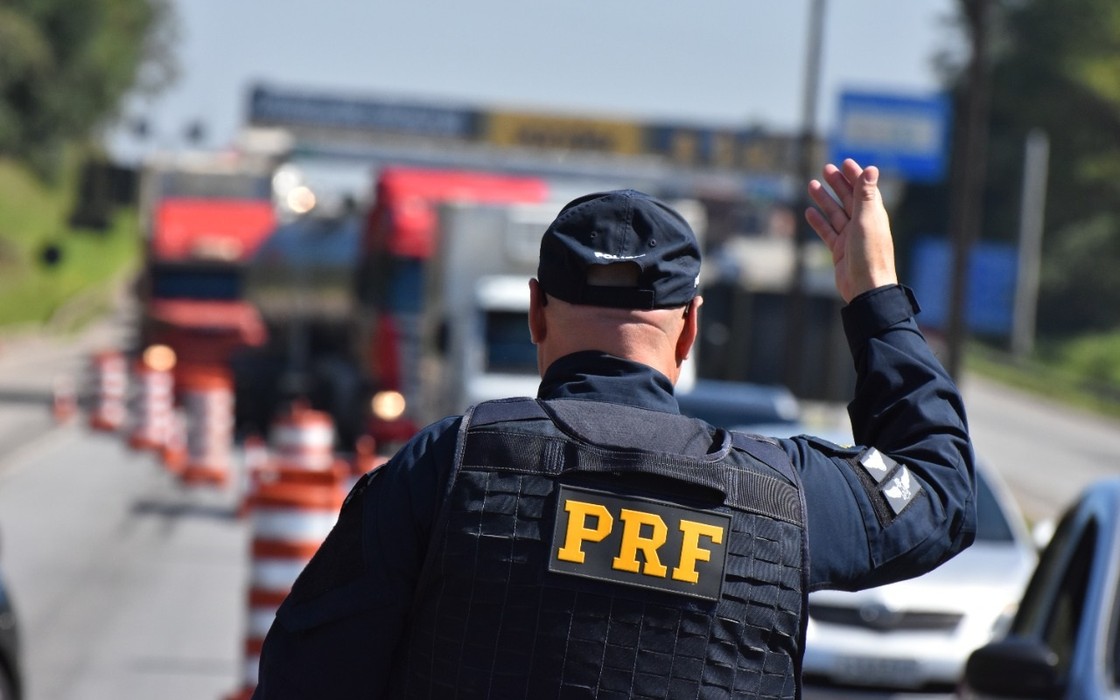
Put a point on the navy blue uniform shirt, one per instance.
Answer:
(893, 506)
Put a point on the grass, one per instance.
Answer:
(1059, 373)
(78, 286)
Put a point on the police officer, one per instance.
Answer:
(593, 542)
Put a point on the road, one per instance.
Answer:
(126, 583)
(1048, 452)
(129, 585)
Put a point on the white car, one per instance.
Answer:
(917, 634)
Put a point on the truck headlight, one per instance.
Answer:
(300, 199)
(387, 405)
(160, 358)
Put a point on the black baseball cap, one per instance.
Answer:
(621, 226)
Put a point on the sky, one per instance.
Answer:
(721, 63)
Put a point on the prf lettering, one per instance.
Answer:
(639, 541)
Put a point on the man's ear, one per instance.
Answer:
(690, 330)
(538, 328)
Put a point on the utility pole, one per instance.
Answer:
(795, 346)
(970, 173)
(1032, 210)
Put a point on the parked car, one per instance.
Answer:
(1063, 642)
(917, 634)
(727, 404)
(11, 685)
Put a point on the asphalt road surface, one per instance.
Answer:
(130, 585)
(1046, 451)
(126, 583)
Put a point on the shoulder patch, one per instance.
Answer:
(877, 464)
(900, 489)
(893, 483)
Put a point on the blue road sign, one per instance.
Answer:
(904, 136)
(990, 298)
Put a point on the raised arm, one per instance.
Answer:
(901, 500)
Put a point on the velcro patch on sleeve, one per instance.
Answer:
(877, 464)
(639, 542)
(900, 489)
(895, 485)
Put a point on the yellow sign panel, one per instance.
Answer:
(567, 133)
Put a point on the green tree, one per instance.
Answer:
(65, 66)
(1053, 65)
(1057, 68)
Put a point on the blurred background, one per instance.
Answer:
(768, 93)
(236, 234)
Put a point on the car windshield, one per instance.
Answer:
(991, 525)
(730, 404)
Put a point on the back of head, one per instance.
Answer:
(597, 232)
(616, 269)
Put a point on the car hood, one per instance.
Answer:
(980, 574)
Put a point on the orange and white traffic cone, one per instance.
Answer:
(256, 462)
(303, 438)
(301, 443)
(174, 451)
(109, 377)
(207, 398)
(64, 399)
(289, 522)
(153, 406)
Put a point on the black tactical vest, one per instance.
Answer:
(577, 556)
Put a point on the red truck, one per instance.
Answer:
(191, 295)
(204, 216)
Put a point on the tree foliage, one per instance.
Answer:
(1054, 65)
(1059, 71)
(65, 67)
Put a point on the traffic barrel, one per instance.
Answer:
(207, 396)
(256, 461)
(174, 451)
(303, 438)
(289, 521)
(300, 449)
(109, 379)
(64, 399)
(153, 407)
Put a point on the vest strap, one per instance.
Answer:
(743, 489)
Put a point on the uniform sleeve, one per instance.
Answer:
(336, 632)
(901, 501)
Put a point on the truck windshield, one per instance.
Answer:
(212, 185)
(509, 348)
(195, 283)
